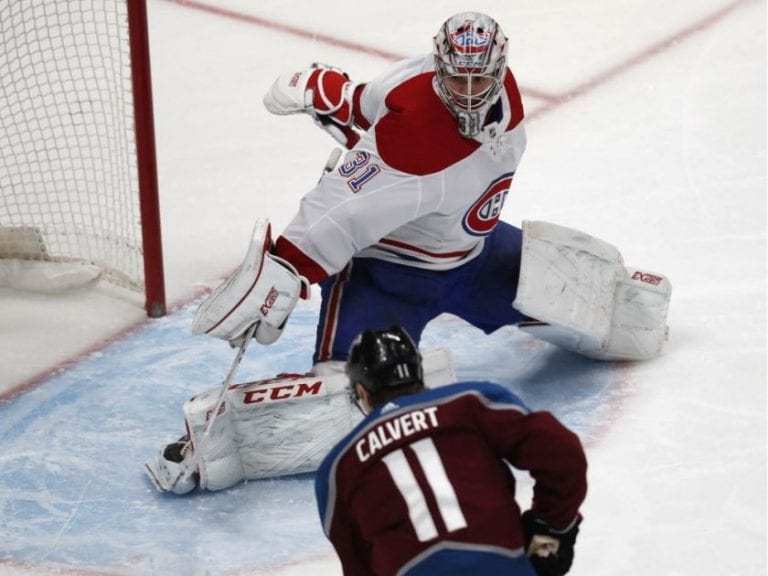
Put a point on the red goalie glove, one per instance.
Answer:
(325, 93)
(332, 94)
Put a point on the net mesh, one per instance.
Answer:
(68, 167)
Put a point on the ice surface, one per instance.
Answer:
(648, 130)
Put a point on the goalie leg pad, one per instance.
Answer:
(285, 425)
(585, 300)
(568, 279)
(268, 428)
(639, 323)
(216, 456)
(263, 289)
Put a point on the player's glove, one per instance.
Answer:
(550, 551)
(263, 290)
(324, 92)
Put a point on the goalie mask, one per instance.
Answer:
(381, 359)
(470, 62)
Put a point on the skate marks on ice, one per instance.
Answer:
(73, 495)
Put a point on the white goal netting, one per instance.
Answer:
(68, 163)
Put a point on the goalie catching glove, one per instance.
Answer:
(323, 92)
(264, 289)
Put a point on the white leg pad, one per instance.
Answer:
(285, 425)
(585, 300)
(639, 323)
(438, 368)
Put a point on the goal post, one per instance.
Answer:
(78, 171)
(154, 279)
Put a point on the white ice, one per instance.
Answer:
(647, 129)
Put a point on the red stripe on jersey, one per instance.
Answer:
(305, 265)
(515, 100)
(331, 319)
(416, 249)
(419, 135)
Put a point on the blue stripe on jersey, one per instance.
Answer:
(460, 559)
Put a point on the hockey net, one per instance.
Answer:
(77, 158)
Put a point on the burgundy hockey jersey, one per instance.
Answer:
(423, 485)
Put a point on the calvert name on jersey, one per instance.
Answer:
(423, 481)
(395, 429)
(413, 190)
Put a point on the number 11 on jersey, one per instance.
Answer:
(434, 472)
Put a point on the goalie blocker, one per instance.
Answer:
(264, 289)
(285, 425)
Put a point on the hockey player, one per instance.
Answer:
(407, 228)
(422, 485)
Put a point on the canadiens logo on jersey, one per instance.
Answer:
(483, 215)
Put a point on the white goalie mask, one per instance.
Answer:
(470, 62)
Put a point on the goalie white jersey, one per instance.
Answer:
(413, 190)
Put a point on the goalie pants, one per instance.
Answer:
(371, 294)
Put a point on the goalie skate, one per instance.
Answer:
(172, 470)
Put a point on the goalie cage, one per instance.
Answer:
(78, 171)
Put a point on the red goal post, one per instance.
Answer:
(78, 172)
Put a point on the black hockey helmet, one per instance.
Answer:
(381, 359)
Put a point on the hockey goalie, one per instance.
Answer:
(407, 227)
(582, 296)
